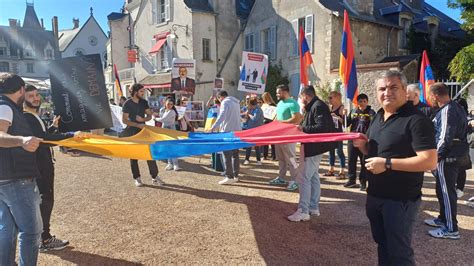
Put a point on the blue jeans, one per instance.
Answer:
(309, 184)
(340, 154)
(19, 215)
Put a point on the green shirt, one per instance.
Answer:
(286, 109)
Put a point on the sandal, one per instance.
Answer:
(329, 173)
(341, 176)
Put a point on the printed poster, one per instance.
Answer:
(253, 73)
(183, 75)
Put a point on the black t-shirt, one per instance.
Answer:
(401, 136)
(133, 109)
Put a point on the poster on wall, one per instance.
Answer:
(79, 94)
(195, 110)
(253, 73)
(183, 75)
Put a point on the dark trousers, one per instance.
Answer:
(265, 151)
(152, 167)
(392, 224)
(248, 151)
(446, 175)
(461, 180)
(232, 164)
(355, 153)
(46, 190)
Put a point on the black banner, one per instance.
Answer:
(79, 94)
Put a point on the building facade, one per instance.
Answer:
(27, 49)
(379, 29)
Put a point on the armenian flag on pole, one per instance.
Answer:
(305, 59)
(347, 65)
(426, 79)
(117, 82)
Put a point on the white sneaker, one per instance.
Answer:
(138, 182)
(246, 162)
(459, 193)
(314, 212)
(157, 181)
(259, 163)
(169, 167)
(177, 168)
(298, 216)
(228, 181)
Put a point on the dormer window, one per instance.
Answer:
(29, 53)
(405, 24)
(49, 54)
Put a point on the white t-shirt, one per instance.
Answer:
(6, 113)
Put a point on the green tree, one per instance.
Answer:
(462, 65)
(467, 13)
(275, 78)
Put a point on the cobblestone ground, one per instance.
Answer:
(193, 220)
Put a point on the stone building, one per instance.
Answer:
(204, 30)
(82, 40)
(27, 49)
(379, 29)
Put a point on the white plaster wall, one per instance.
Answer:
(91, 28)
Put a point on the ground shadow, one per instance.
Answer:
(82, 258)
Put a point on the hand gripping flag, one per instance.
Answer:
(426, 79)
(347, 65)
(117, 82)
(305, 59)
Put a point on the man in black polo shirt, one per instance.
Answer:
(400, 146)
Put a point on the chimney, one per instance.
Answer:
(55, 27)
(42, 24)
(13, 22)
(75, 22)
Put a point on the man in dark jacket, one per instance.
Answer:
(19, 197)
(317, 119)
(450, 123)
(44, 157)
(359, 121)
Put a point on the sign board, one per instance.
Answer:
(195, 110)
(79, 94)
(269, 112)
(132, 56)
(117, 114)
(218, 85)
(183, 76)
(253, 73)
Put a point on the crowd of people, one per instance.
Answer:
(400, 143)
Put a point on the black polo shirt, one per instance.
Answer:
(401, 136)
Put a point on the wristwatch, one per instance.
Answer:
(388, 164)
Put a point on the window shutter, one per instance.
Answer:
(256, 39)
(309, 31)
(273, 43)
(167, 10)
(294, 38)
(154, 12)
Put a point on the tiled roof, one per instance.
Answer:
(199, 5)
(19, 37)
(31, 20)
(65, 38)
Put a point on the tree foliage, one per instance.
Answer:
(275, 78)
(462, 65)
(467, 13)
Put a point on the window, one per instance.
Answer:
(4, 67)
(160, 11)
(249, 42)
(3, 51)
(30, 68)
(306, 23)
(29, 52)
(206, 49)
(162, 59)
(49, 54)
(269, 42)
(406, 24)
